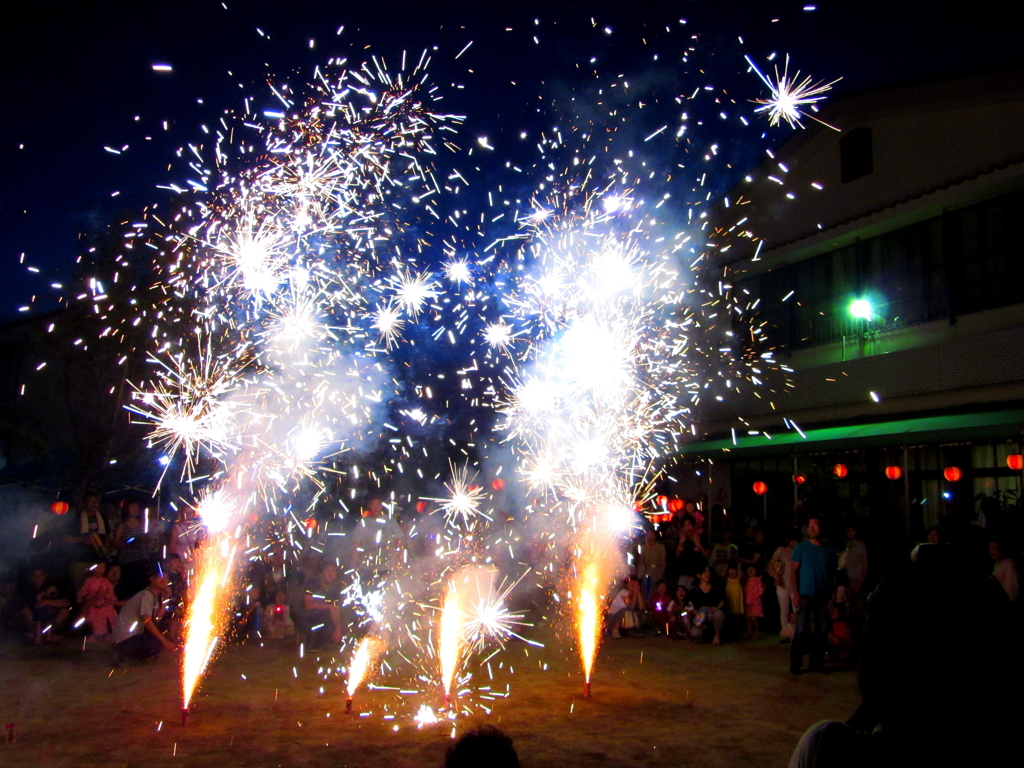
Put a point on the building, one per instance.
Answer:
(891, 277)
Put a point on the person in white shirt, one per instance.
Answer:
(782, 574)
(135, 634)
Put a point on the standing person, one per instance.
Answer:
(650, 562)
(751, 549)
(724, 554)
(856, 561)
(135, 634)
(90, 539)
(813, 569)
(132, 552)
(670, 539)
(734, 592)
(186, 533)
(752, 592)
(782, 574)
(320, 608)
(691, 554)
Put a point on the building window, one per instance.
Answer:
(966, 260)
(855, 156)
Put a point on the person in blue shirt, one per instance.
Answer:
(813, 568)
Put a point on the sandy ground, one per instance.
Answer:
(655, 702)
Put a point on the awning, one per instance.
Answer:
(954, 428)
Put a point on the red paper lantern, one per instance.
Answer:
(840, 471)
(311, 523)
(662, 501)
(421, 507)
(59, 507)
(760, 488)
(893, 472)
(1015, 462)
(676, 505)
(953, 474)
(497, 483)
(799, 478)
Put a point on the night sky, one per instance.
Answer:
(76, 75)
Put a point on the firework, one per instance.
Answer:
(450, 645)
(463, 502)
(790, 95)
(487, 617)
(362, 660)
(208, 609)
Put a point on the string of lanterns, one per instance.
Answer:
(1014, 461)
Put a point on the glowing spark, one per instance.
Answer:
(388, 323)
(499, 335)
(790, 95)
(458, 271)
(412, 292)
(588, 615)
(425, 716)
(464, 497)
(449, 636)
(362, 660)
(487, 617)
(217, 511)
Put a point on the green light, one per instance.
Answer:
(861, 309)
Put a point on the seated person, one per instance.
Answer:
(676, 611)
(320, 618)
(840, 636)
(174, 606)
(658, 604)
(135, 634)
(98, 601)
(277, 618)
(49, 609)
(706, 609)
(625, 608)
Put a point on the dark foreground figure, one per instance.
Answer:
(940, 674)
(485, 747)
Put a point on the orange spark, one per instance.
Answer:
(368, 650)
(588, 614)
(450, 636)
(208, 611)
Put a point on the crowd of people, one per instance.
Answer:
(811, 589)
(122, 579)
(119, 575)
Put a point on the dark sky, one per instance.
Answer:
(76, 75)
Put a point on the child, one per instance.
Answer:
(840, 637)
(659, 605)
(752, 592)
(676, 609)
(733, 592)
(97, 600)
(277, 618)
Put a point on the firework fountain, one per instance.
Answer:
(362, 661)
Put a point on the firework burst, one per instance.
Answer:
(790, 95)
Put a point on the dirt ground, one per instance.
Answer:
(655, 702)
